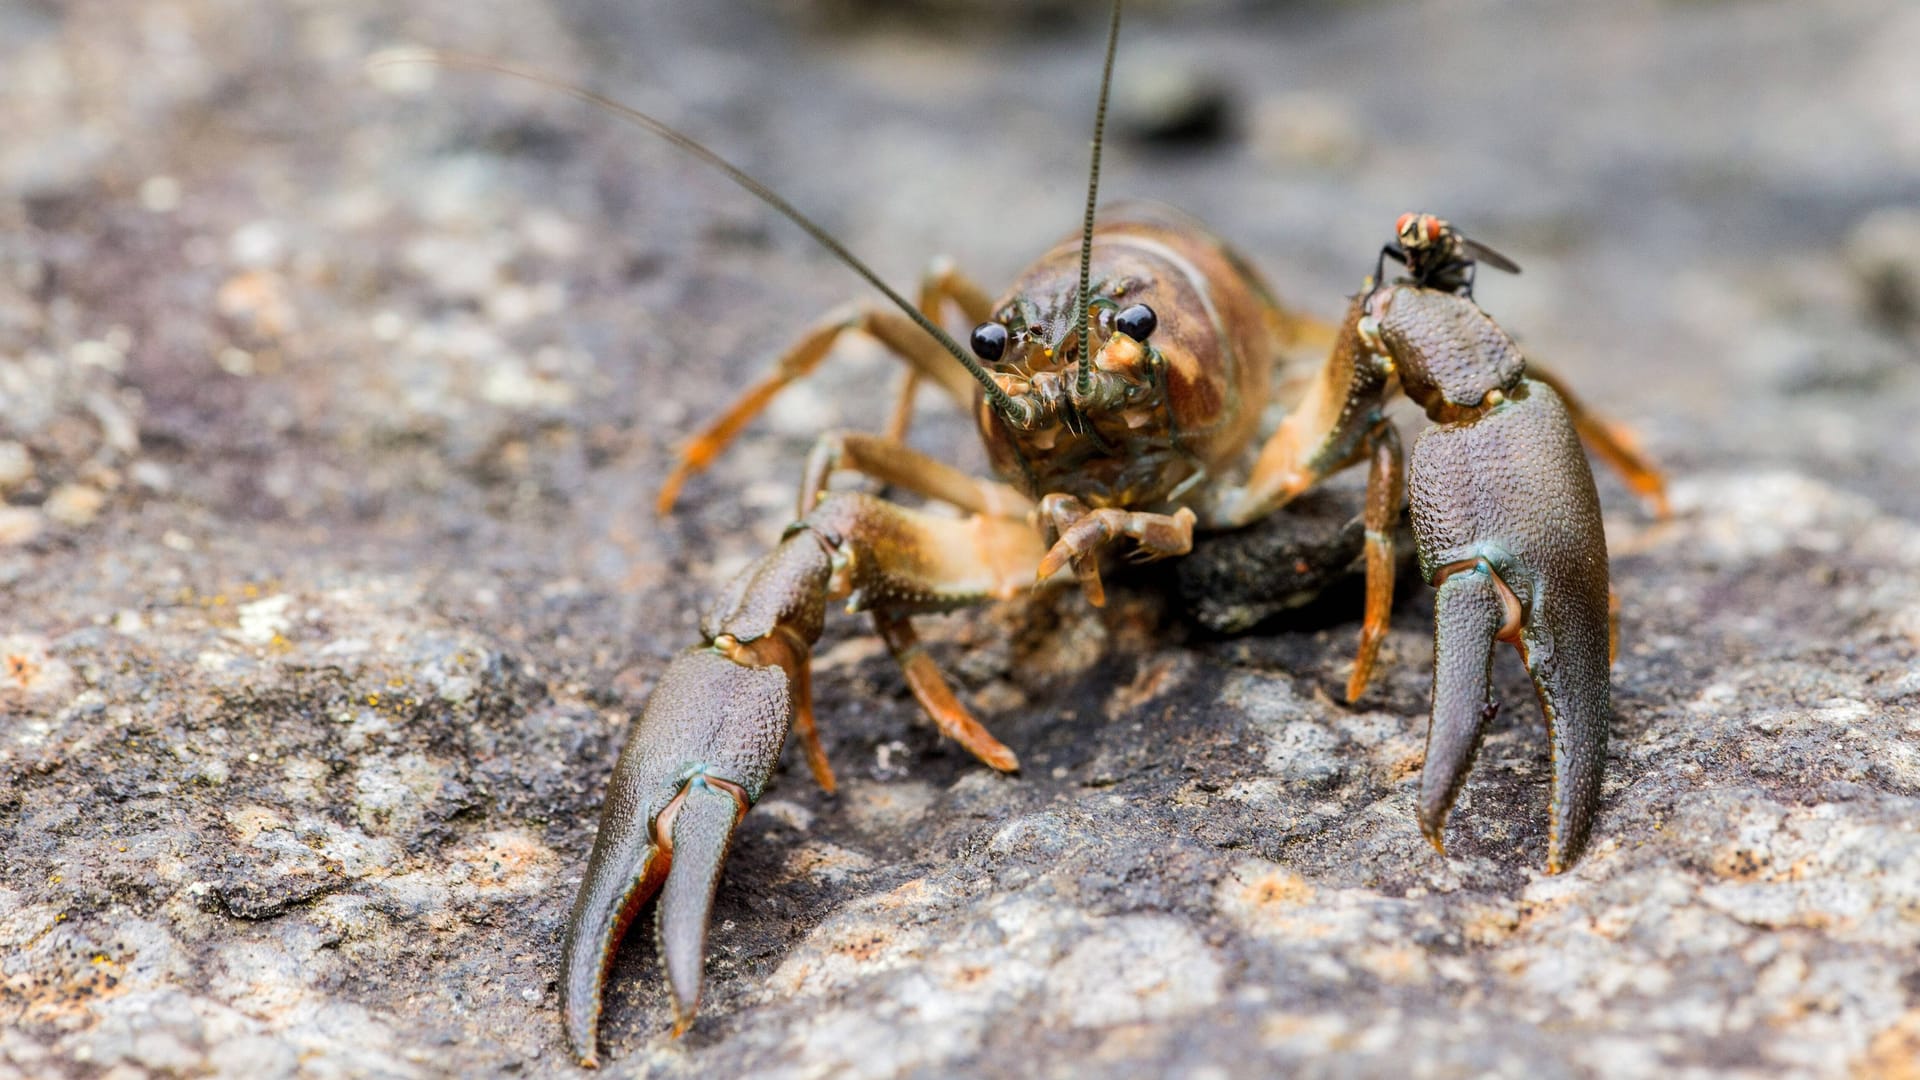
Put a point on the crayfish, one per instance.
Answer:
(1119, 385)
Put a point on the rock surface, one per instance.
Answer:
(331, 409)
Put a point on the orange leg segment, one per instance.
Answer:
(908, 469)
(931, 690)
(1386, 491)
(1613, 444)
(902, 337)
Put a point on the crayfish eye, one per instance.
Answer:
(989, 341)
(1137, 322)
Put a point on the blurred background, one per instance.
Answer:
(1714, 202)
(322, 389)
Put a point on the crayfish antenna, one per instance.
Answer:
(1082, 317)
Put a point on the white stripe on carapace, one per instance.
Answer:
(1230, 357)
(1180, 263)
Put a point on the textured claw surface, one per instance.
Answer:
(1467, 615)
(710, 717)
(1512, 488)
(1506, 519)
(625, 871)
(702, 833)
(1566, 649)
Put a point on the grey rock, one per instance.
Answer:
(1884, 250)
(1236, 580)
(1174, 104)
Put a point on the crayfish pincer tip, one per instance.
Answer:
(622, 874)
(702, 833)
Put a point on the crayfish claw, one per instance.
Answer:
(625, 870)
(1566, 652)
(709, 738)
(699, 755)
(1508, 526)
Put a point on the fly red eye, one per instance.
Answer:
(1432, 228)
(1403, 225)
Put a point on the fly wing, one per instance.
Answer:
(1487, 255)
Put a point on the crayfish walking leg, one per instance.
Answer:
(710, 736)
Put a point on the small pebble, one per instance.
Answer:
(1174, 105)
(19, 525)
(1884, 253)
(152, 476)
(75, 505)
(1307, 129)
(16, 465)
(160, 194)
